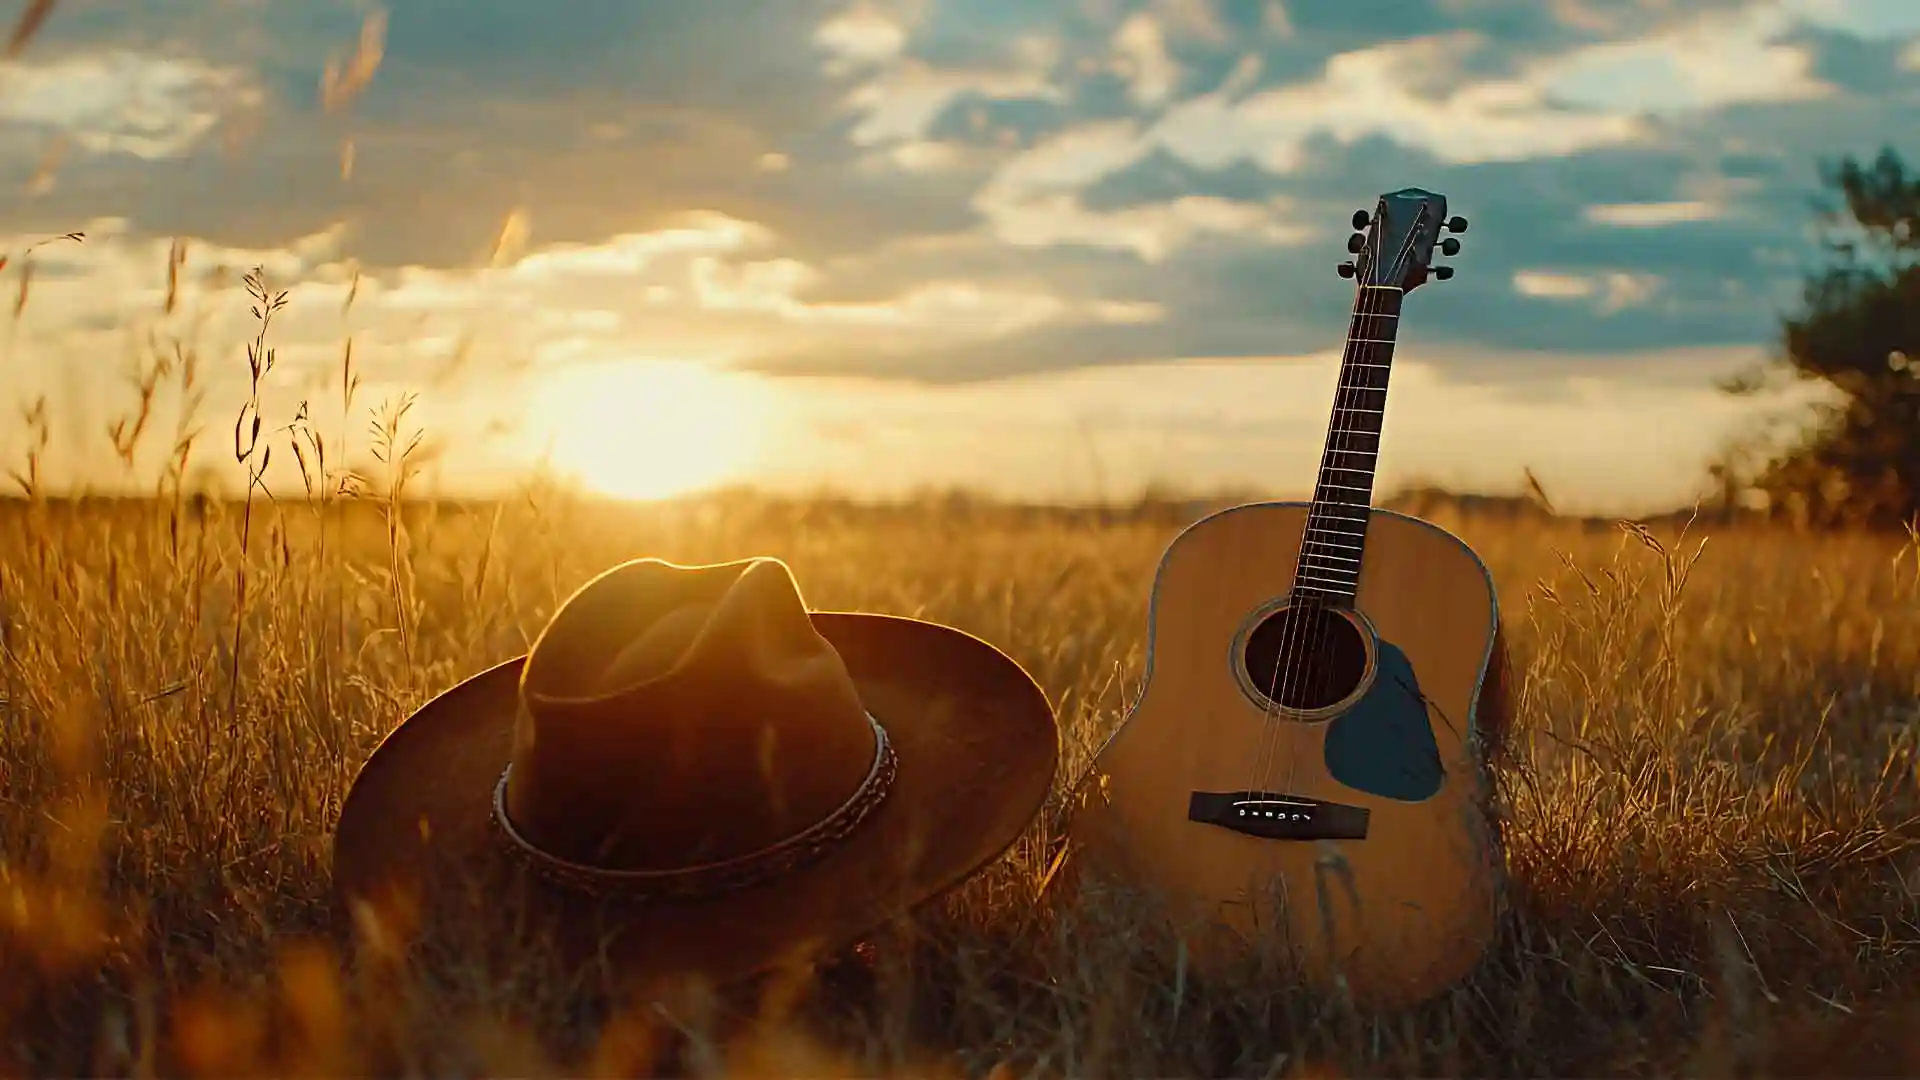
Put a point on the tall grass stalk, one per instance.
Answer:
(1712, 789)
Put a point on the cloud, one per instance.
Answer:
(1651, 215)
(700, 233)
(1612, 291)
(861, 36)
(1034, 200)
(1150, 72)
(939, 189)
(119, 101)
(1717, 60)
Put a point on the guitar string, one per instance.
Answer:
(1294, 629)
(1323, 649)
(1310, 670)
(1303, 665)
(1394, 271)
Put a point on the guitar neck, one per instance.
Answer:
(1336, 532)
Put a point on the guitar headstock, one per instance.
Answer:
(1394, 246)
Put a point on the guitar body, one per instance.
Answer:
(1396, 731)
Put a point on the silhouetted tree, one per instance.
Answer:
(1858, 462)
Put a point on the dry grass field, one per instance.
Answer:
(1711, 794)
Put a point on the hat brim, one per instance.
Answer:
(977, 748)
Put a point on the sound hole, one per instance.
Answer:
(1305, 657)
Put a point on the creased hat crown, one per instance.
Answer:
(673, 717)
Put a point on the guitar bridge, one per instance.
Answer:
(1273, 816)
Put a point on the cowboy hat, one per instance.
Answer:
(700, 774)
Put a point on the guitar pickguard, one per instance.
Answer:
(1383, 745)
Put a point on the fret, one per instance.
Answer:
(1346, 528)
(1325, 517)
(1354, 397)
(1364, 455)
(1321, 557)
(1343, 527)
(1330, 563)
(1332, 548)
(1355, 441)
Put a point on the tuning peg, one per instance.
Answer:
(1456, 224)
(1360, 219)
(1346, 269)
(1449, 246)
(1356, 242)
(1442, 273)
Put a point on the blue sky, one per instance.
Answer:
(945, 192)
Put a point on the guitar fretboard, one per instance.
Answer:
(1336, 533)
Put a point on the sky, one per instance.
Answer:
(1054, 248)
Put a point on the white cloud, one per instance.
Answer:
(948, 308)
(1610, 292)
(1143, 61)
(1708, 63)
(1413, 91)
(1620, 290)
(702, 232)
(1651, 214)
(127, 102)
(861, 36)
(902, 102)
(926, 155)
(1150, 232)
(1863, 18)
(1588, 97)
(1033, 201)
(1550, 285)
(1068, 161)
(1385, 90)
(1128, 312)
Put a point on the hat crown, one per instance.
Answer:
(673, 717)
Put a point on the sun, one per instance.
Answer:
(649, 429)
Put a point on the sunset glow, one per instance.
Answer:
(650, 429)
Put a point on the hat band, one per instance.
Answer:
(706, 879)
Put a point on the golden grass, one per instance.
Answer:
(1712, 797)
(1711, 787)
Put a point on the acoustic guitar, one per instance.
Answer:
(1307, 756)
